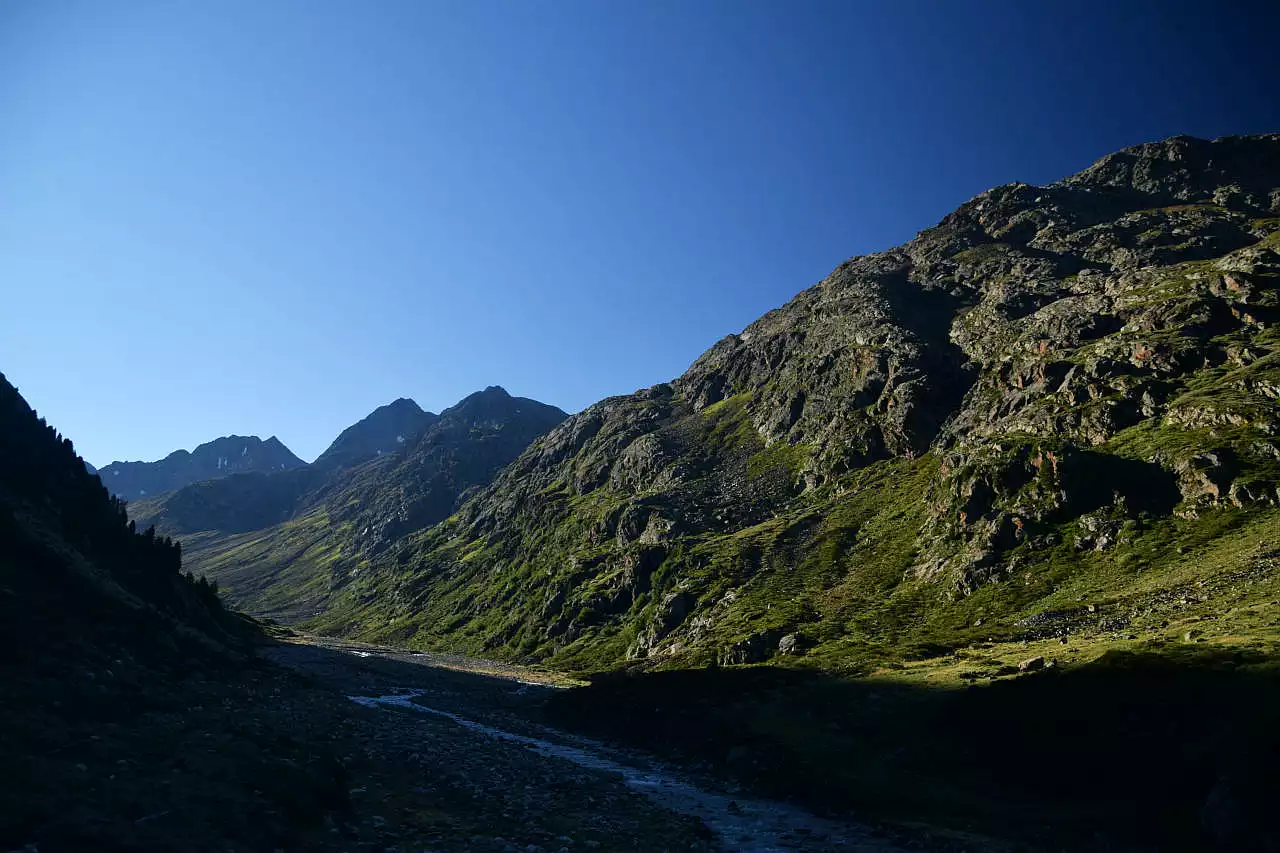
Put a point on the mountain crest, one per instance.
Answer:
(1050, 372)
(352, 502)
(494, 403)
(386, 429)
(231, 454)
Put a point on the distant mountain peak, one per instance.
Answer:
(424, 474)
(495, 404)
(229, 454)
(384, 430)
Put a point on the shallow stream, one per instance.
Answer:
(741, 824)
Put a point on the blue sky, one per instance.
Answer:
(271, 217)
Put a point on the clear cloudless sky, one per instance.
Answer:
(271, 216)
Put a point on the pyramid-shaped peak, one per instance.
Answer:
(386, 429)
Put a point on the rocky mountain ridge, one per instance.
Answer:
(232, 454)
(253, 500)
(1085, 368)
(319, 523)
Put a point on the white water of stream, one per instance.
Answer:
(743, 825)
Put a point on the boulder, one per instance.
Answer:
(789, 645)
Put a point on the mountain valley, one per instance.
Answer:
(972, 545)
(1056, 399)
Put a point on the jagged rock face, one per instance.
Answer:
(386, 430)
(1101, 345)
(232, 454)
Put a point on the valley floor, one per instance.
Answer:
(264, 759)
(1124, 746)
(1134, 710)
(476, 725)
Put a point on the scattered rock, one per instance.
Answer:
(789, 645)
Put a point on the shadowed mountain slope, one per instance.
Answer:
(93, 617)
(136, 717)
(75, 570)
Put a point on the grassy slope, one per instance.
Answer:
(837, 572)
(1163, 679)
(283, 570)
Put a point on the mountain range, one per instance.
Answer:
(1051, 388)
(1055, 383)
(385, 430)
(232, 454)
(989, 501)
(280, 542)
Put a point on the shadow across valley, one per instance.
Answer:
(460, 685)
(1168, 749)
